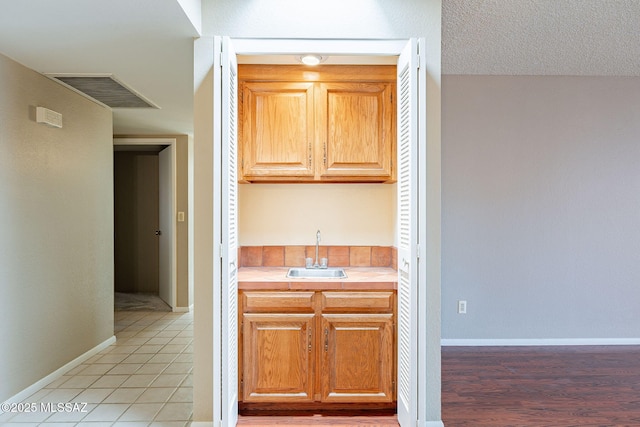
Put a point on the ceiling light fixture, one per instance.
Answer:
(311, 59)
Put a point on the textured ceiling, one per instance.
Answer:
(541, 37)
(148, 44)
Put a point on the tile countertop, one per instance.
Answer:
(358, 278)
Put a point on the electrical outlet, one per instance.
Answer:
(462, 307)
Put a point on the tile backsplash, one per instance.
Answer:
(338, 256)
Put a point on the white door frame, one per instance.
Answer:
(245, 46)
(226, 129)
(172, 232)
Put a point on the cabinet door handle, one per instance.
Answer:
(324, 155)
(326, 339)
(309, 340)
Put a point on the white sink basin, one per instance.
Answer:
(313, 273)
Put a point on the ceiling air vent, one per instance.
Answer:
(105, 89)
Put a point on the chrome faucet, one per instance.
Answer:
(316, 265)
(309, 261)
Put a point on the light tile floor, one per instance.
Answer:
(144, 379)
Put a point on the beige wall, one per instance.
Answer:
(264, 19)
(290, 214)
(203, 231)
(56, 228)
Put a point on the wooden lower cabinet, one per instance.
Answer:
(357, 362)
(278, 362)
(338, 349)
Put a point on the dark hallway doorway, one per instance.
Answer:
(137, 220)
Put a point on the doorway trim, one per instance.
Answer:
(427, 414)
(172, 146)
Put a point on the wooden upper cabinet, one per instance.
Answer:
(321, 124)
(278, 135)
(356, 130)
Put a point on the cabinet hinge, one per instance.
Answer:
(221, 59)
(220, 250)
(418, 251)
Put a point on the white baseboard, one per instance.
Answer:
(180, 309)
(537, 342)
(60, 372)
(434, 424)
(201, 424)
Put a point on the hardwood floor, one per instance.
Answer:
(522, 387)
(541, 386)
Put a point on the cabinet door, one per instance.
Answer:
(357, 358)
(277, 131)
(277, 357)
(356, 130)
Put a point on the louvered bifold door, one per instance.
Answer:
(407, 205)
(229, 242)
